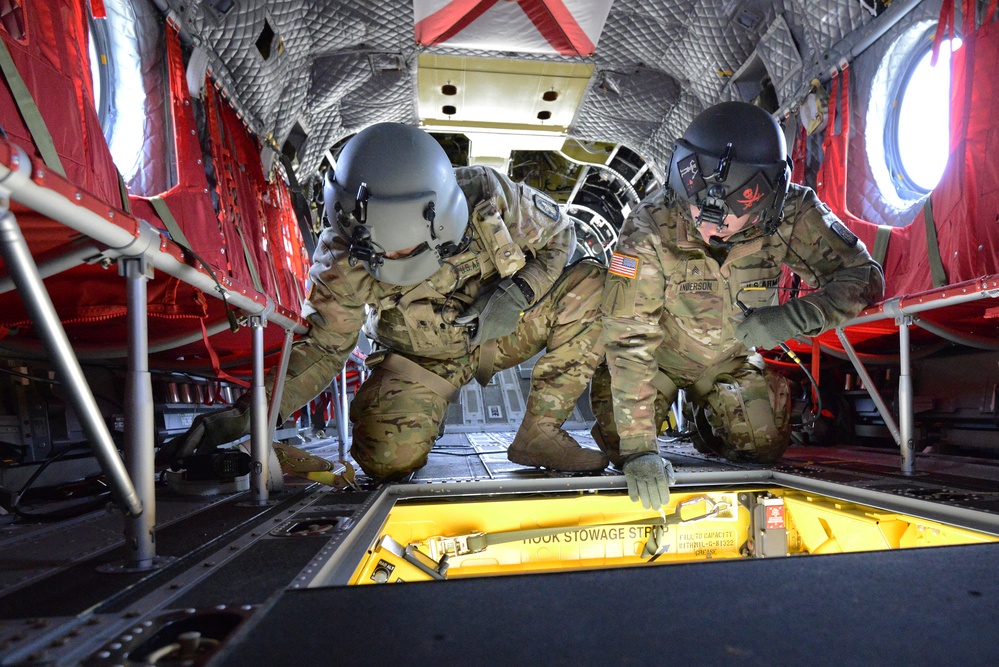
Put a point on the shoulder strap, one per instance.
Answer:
(937, 272)
(881, 239)
(29, 112)
(162, 210)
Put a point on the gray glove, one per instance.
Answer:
(646, 475)
(208, 431)
(497, 312)
(770, 326)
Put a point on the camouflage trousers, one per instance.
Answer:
(397, 418)
(742, 414)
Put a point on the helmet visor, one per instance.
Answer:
(398, 223)
(407, 271)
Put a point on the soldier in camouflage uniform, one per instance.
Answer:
(691, 292)
(453, 275)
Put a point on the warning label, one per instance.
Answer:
(706, 541)
(775, 516)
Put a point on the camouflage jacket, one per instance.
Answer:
(516, 229)
(680, 310)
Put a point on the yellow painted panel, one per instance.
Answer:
(461, 537)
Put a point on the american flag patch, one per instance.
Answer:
(624, 265)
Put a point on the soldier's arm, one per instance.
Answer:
(828, 256)
(337, 295)
(632, 308)
(539, 227)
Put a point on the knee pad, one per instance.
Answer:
(390, 446)
(748, 421)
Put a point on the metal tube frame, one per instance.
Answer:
(869, 386)
(140, 241)
(903, 310)
(906, 422)
(277, 393)
(259, 443)
(343, 433)
(140, 531)
(38, 303)
(16, 181)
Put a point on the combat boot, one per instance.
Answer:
(208, 431)
(542, 443)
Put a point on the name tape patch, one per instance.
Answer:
(624, 265)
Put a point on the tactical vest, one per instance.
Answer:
(703, 294)
(418, 320)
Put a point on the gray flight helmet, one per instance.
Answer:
(732, 159)
(394, 189)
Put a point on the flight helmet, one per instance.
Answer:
(732, 160)
(393, 189)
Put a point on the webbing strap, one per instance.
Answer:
(487, 359)
(481, 541)
(249, 261)
(400, 365)
(881, 238)
(29, 112)
(162, 210)
(126, 205)
(216, 366)
(937, 272)
(665, 386)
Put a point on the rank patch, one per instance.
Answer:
(624, 265)
(547, 206)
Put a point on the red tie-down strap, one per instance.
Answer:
(219, 373)
(551, 17)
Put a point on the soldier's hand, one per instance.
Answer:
(647, 476)
(770, 326)
(497, 312)
(208, 431)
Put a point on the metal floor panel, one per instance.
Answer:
(915, 607)
(52, 595)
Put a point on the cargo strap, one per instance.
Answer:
(476, 542)
(881, 238)
(937, 272)
(126, 204)
(400, 365)
(479, 541)
(162, 210)
(29, 112)
(487, 359)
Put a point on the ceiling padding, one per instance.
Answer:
(332, 67)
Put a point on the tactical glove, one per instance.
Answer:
(208, 431)
(770, 326)
(497, 313)
(646, 475)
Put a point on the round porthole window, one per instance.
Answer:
(918, 133)
(908, 120)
